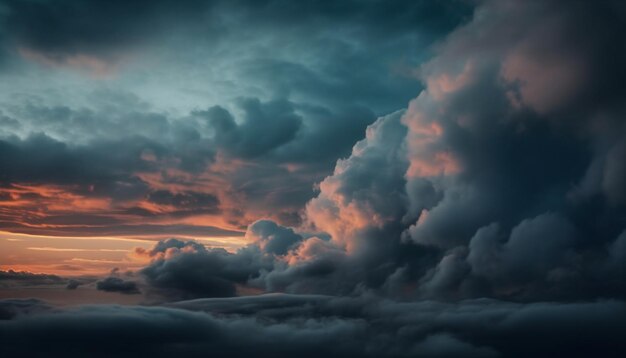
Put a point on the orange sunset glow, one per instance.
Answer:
(62, 230)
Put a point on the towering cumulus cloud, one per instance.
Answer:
(502, 179)
(485, 219)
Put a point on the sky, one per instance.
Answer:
(356, 178)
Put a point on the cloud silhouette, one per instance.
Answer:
(116, 284)
(280, 325)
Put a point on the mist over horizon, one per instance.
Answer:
(280, 178)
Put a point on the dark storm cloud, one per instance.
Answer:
(98, 28)
(482, 187)
(523, 153)
(276, 119)
(481, 152)
(334, 128)
(187, 269)
(273, 238)
(278, 260)
(11, 308)
(337, 81)
(28, 278)
(113, 136)
(116, 284)
(281, 326)
(41, 159)
(74, 26)
(73, 284)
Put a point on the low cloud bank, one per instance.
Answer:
(310, 326)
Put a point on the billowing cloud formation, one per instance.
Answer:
(277, 119)
(476, 189)
(310, 326)
(116, 284)
(273, 238)
(189, 270)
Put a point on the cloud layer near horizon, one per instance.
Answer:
(310, 326)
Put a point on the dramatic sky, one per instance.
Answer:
(363, 178)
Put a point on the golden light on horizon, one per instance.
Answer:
(76, 256)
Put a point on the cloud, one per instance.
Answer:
(28, 278)
(186, 203)
(282, 325)
(112, 31)
(11, 308)
(143, 174)
(11, 280)
(206, 104)
(103, 185)
(276, 119)
(73, 284)
(359, 195)
(116, 284)
(517, 160)
(476, 189)
(46, 33)
(186, 269)
(271, 237)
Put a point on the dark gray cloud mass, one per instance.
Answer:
(73, 284)
(10, 308)
(275, 119)
(310, 326)
(116, 284)
(186, 269)
(273, 238)
(495, 182)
